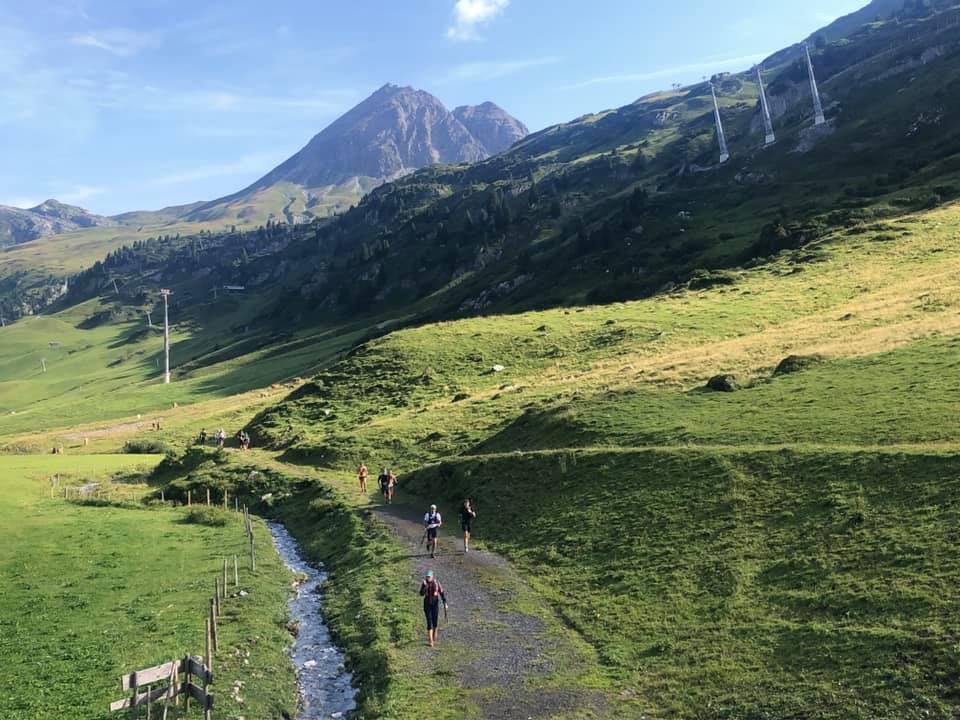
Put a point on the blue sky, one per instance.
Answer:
(118, 105)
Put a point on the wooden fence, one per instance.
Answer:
(197, 673)
(142, 694)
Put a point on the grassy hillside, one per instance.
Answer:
(784, 550)
(114, 370)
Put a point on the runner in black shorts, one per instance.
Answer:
(432, 522)
(467, 514)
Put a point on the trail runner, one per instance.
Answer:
(432, 522)
(432, 592)
(467, 516)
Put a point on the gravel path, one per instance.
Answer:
(502, 653)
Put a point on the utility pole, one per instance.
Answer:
(765, 106)
(818, 117)
(721, 138)
(166, 336)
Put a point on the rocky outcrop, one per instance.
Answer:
(394, 131)
(48, 218)
(491, 125)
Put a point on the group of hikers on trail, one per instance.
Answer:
(387, 481)
(433, 521)
(431, 590)
(220, 438)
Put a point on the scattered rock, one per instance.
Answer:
(796, 363)
(723, 383)
(498, 368)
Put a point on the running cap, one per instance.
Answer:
(433, 507)
(429, 573)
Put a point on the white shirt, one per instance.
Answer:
(436, 520)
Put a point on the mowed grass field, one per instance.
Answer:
(88, 593)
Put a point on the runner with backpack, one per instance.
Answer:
(432, 522)
(467, 516)
(384, 481)
(432, 592)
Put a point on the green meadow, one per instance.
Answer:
(91, 591)
(783, 550)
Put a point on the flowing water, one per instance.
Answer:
(325, 686)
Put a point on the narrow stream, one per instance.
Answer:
(325, 686)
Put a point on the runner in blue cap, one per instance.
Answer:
(432, 592)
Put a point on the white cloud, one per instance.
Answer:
(80, 194)
(678, 72)
(228, 101)
(257, 162)
(496, 69)
(21, 202)
(72, 196)
(470, 15)
(117, 41)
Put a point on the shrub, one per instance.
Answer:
(145, 447)
(207, 515)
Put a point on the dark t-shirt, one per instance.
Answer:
(466, 516)
(432, 592)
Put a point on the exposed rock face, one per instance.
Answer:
(493, 126)
(48, 218)
(394, 131)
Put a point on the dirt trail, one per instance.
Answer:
(504, 658)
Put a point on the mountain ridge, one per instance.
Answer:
(51, 217)
(394, 131)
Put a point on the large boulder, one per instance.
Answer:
(723, 383)
(796, 363)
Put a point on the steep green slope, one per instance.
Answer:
(623, 203)
(786, 550)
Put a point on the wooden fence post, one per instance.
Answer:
(236, 573)
(216, 597)
(224, 585)
(133, 696)
(225, 495)
(208, 497)
(189, 498)
(253, 556)
(213, 626)
(163, 497)
(189, 675)
(209, 659)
